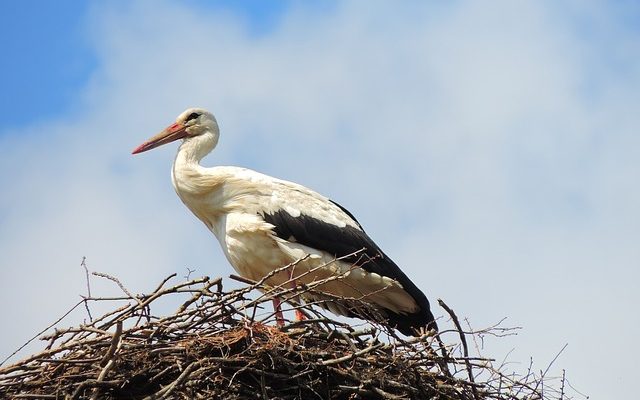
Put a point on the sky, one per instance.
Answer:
(491, 149)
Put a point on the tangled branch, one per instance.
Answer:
(224, 344)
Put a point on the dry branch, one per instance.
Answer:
(224, 344)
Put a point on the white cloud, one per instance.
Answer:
(491, 151)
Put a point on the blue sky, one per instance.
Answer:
(49, 55)
(491, 151)
(48, 58)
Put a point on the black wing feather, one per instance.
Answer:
(345, 241)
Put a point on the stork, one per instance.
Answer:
(264, 223)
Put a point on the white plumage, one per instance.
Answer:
(264, 223)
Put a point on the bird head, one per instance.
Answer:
(191, 123)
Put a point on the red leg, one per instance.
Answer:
(299, 314)
(278, 310)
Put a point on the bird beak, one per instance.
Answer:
(171, 133)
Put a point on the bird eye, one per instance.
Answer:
(191, 116)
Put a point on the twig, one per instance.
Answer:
(464, 345)
(86, 273)
(208, 348)
(549, 366)
(117, 281)
(352, 355)
(40, 333)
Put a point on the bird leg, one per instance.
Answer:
(278, 310)
(277, 305)
(299, 314)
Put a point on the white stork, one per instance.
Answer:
(264, 223)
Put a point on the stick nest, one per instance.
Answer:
(225, 344)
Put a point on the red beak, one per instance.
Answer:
(170, 134)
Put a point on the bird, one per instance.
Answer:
(264, 223)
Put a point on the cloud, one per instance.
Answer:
(491, 151)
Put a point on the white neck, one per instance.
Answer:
(187, 170)
(193, 149)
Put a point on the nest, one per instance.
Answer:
(225, 344)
